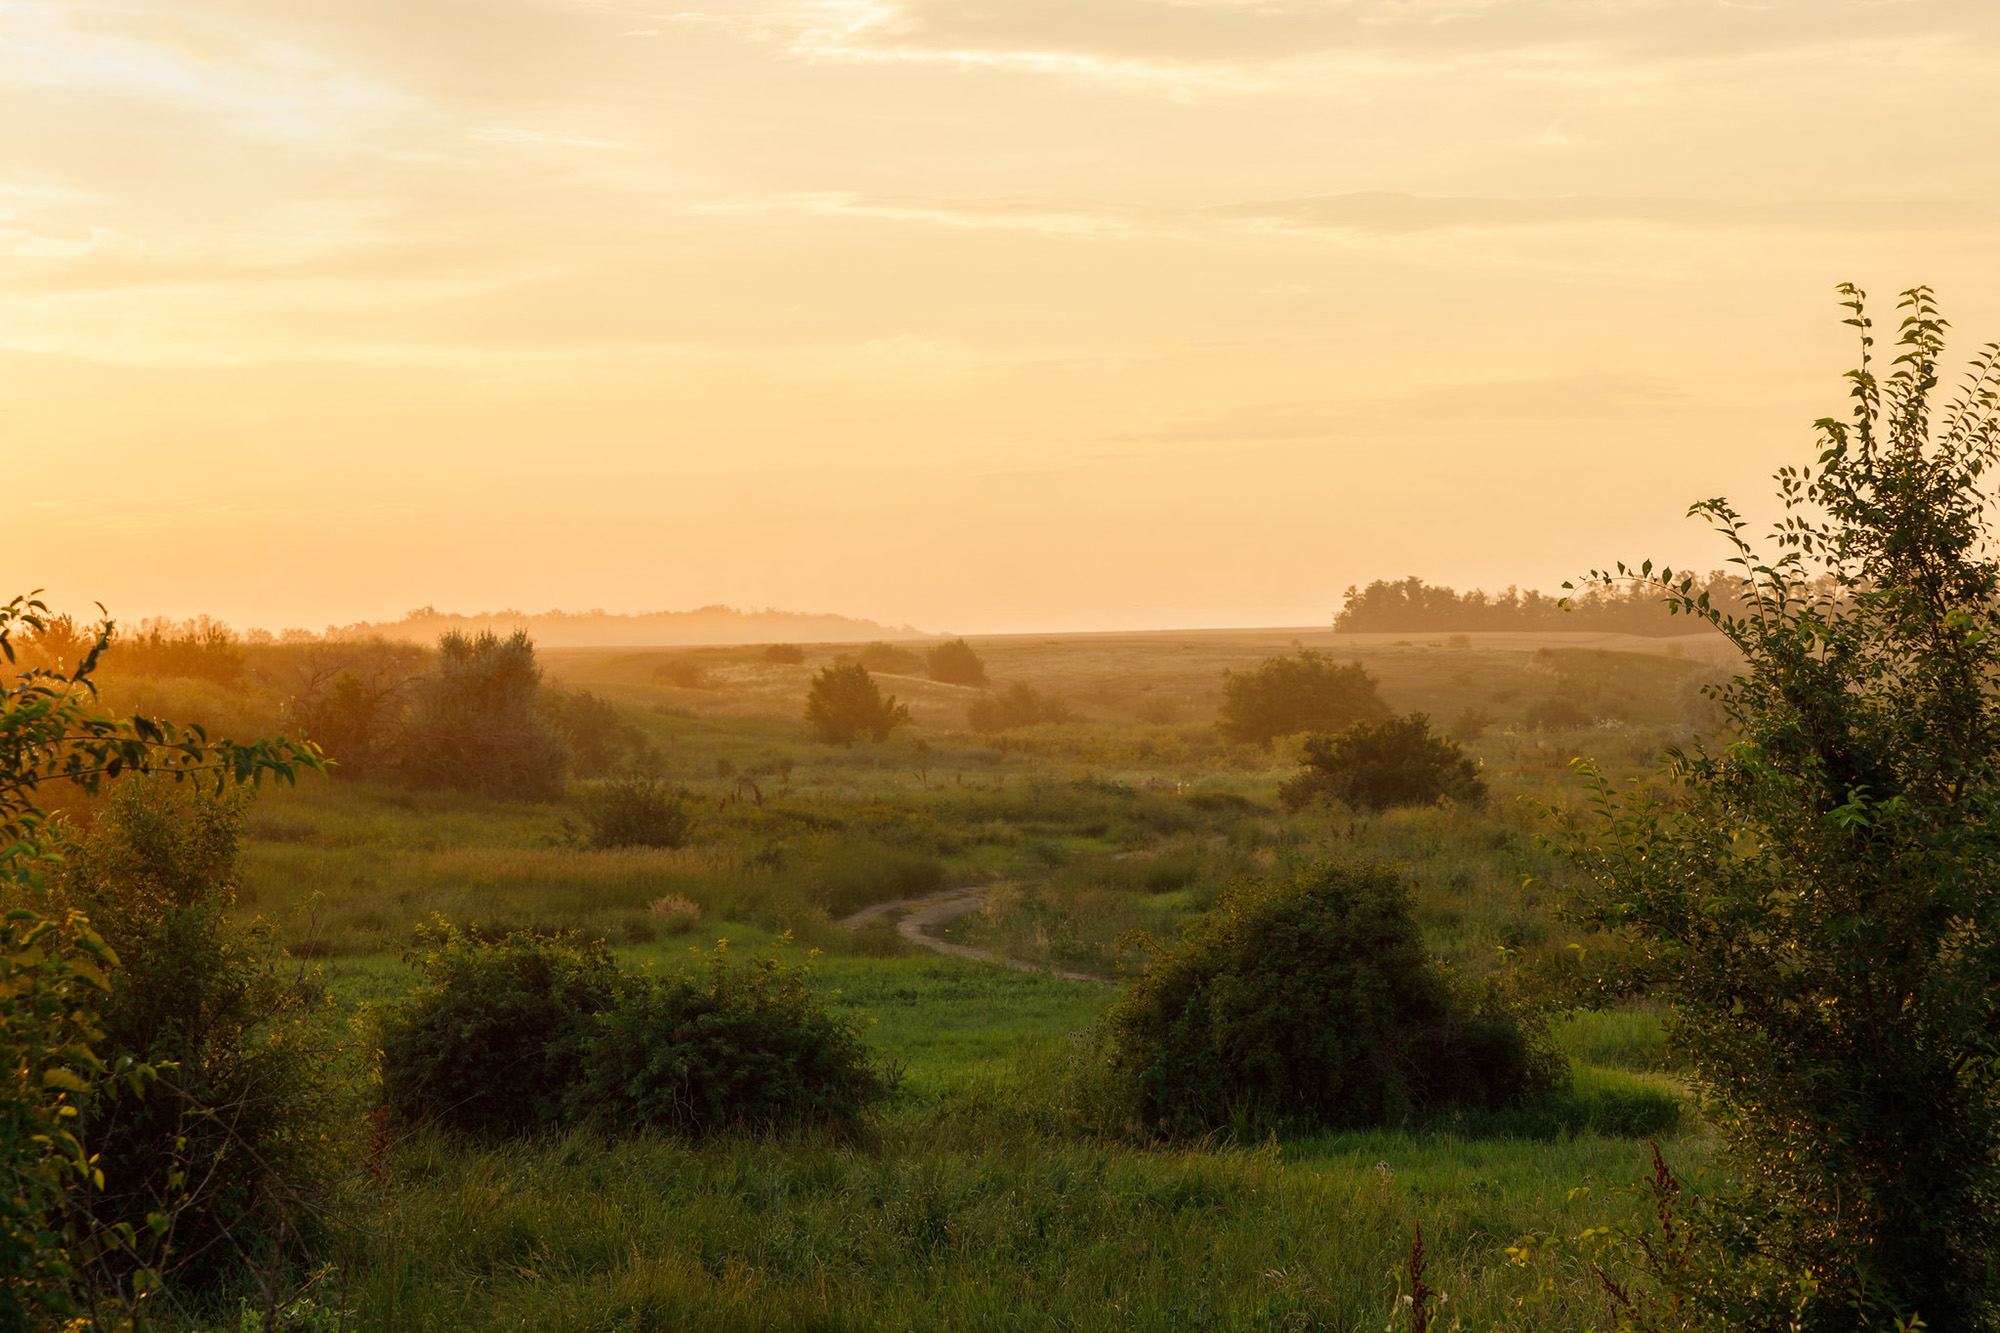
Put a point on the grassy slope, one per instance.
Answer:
(972, 1205)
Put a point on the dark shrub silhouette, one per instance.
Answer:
(1309, 1000)
(844, 705)
(1287, 695)
(1374, 766)
(475, 725)
(955, 663)
(1019, 705)
(637, 811)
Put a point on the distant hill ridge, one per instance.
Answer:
(605, 629)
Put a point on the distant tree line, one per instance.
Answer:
(1413, 606)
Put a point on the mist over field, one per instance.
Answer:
(901, 666)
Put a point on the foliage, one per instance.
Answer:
(637, 811)
(1410, 605)
(1287, 695)
(233, 1145)
(1019, 705)
(1308, 999)
(1555, 713)
(784, 654)
(198, 649)
(1819, 897)
(844, 705)
(52, 970)
(1470, 725)
(534, 1033)
(890, 658)
(475, 725)
(955, 663)
(600, 739)
(491, 1040)
(350, 698)
(1376, 766)
(747, 1046)
(684, 673)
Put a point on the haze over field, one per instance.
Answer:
(1044, 314)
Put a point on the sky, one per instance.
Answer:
(976, 315)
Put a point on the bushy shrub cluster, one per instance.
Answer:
(599, 738)
(475, 725)
(1288, 695)
(538, 1033)
(784, 654)
(1376, 766)
(238, 1140)
(637, 811)
(890, 658)
(1019, 705)
(955, 663)
(844, 705)
(1308, 999)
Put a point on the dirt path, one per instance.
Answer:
(935, 910)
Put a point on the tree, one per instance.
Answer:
(1374, 766)
(53, 967)
(955, 663)
(844, 705)
(1019, 705)
(1287, 695)
(1820, 898)
(475, 723)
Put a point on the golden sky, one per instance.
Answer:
(993, 315)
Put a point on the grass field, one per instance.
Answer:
(974, 1200)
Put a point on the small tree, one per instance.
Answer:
(1287, 695)
(844, 705)
(1821, 897)
(476, 725)
(1019, 705)
(1374, 766)
(955, 663)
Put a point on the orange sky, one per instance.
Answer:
(1014, 314)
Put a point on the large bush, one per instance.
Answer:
(1288, 695)
(1308, 999)
(57, 1259)
(955, 663)
(237, 1142)
(844, 705)
(528, 1034)
(475, 725)
(1820, 891)
(1376, 766)
(637, 811)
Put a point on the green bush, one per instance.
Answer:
(475, 725)
(955, 663)
(784, 654)
(600, 738)
(239, 1140)
(1309, 1000)
(535, 1033)
(855, 874)
(637, 811)
(493, 1038)
(1019, 705)
(844, 705)
(1376, 766)
(1288, 695)
(745, 1046)
(888, 657)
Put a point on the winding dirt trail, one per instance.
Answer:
(935, 909)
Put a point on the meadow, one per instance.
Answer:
(975, 1199)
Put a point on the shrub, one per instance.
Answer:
(494, 1036)
(235, 1144)
(1470, 725)
(955, 663)
(1821, 894)
(1309, 1000)
(844, 705)
(637, 811)
(599, 738)
(745, 1046)
(1287, 695)
(856, 874)
(683, 673)
(529, 1034)
(475, 725)
(1019, 705)
(1376, 766)
(784, 654)
(888, 657)
(1556, 713)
